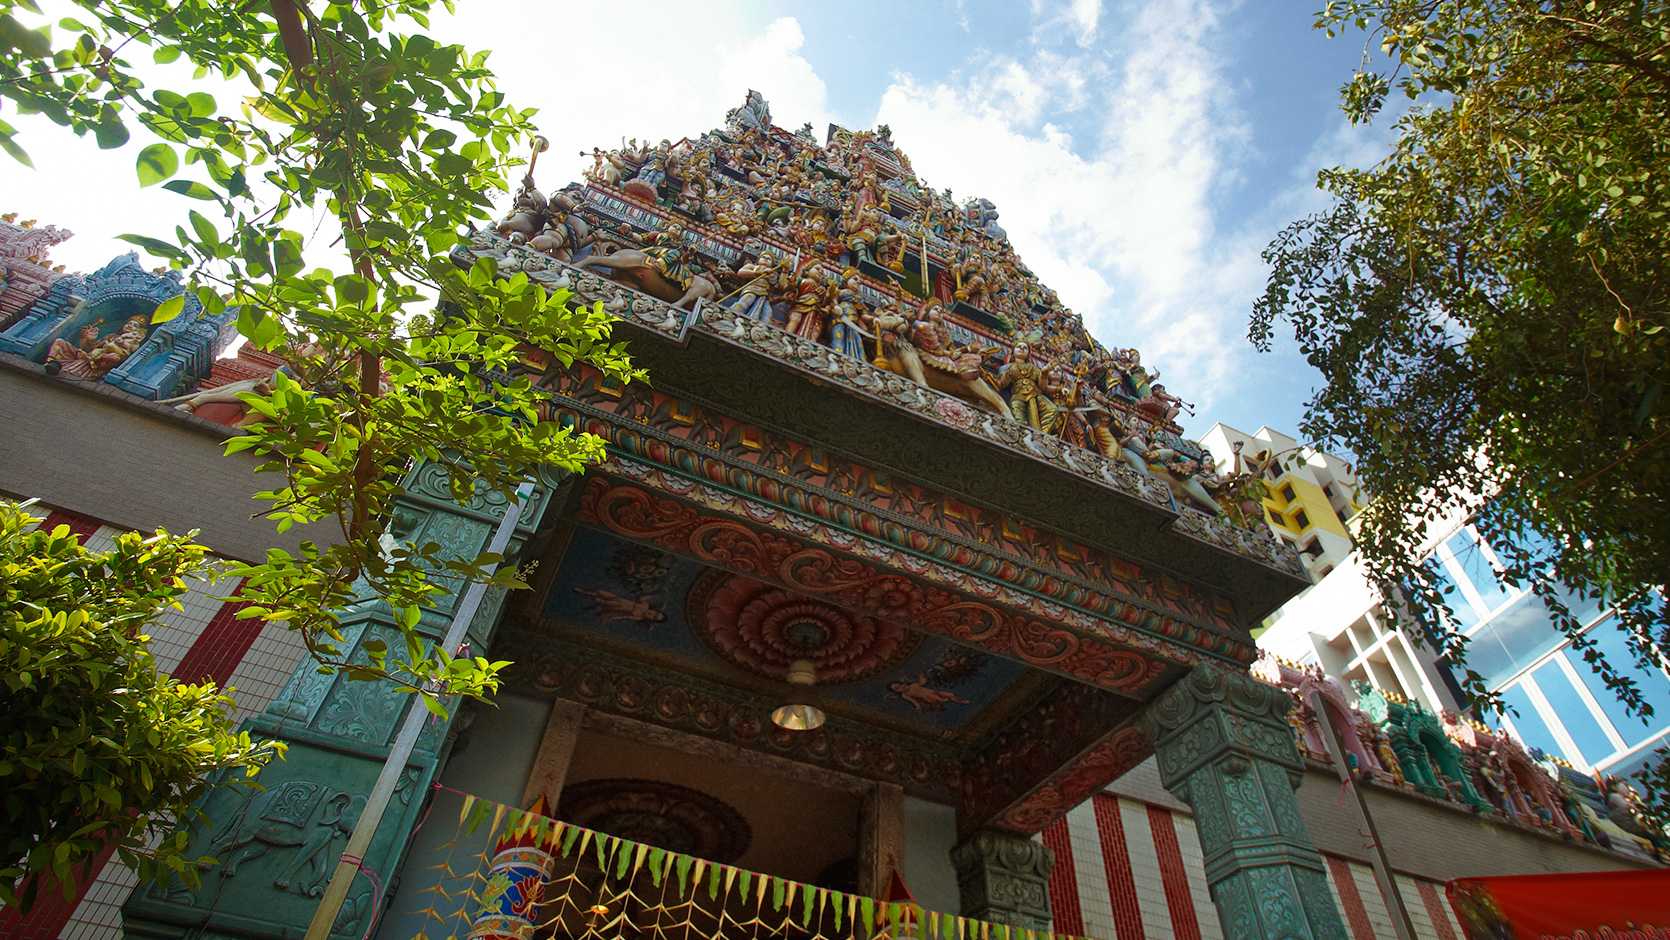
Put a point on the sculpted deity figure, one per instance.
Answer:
(970, 271)
(1181, 473)
(1062, 386)
(527, 212)
(813, 294)
(1388, 760)
(739, 219)
(652, 172)
(852, 316)
(93, 358)
(1161, 404)
(863, 226)
(1024, 379)
(770, 278)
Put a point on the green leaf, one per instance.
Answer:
(169, 309)
(157, 163)
(155, 246)
(110, 134)
(191, 188)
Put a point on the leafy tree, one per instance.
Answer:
(1488, 304)
(347, 112)
(400, 139)
(98, 748)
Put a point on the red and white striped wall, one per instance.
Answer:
(249, 659)
(1128, 870)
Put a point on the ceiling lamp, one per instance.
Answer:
(798, 715)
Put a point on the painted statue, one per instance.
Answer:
(93, 357)
(1023, 378)
(664, 269)
(852, 315)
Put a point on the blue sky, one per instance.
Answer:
(1141, 153)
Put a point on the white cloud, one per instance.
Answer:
(1117, 217)
(653, 69)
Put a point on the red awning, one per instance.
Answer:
(1602, 905)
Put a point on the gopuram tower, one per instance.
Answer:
(890, 566)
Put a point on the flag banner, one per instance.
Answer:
(509, 874)
(1603, 905)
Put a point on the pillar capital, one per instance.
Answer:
(1003, 877)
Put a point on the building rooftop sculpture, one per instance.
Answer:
(836, 259)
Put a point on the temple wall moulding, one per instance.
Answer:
(1400, 745)
(26, 271)
(861, 377)
(703, 446)
(685, 705)
(97, 328)
(1106, 654)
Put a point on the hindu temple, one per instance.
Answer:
(901, 605)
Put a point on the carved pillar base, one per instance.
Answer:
(276, 847)
(1225, 748)
(1003, 877)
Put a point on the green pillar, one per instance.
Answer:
(276, 847)
(1225, 748)
(1003, 877)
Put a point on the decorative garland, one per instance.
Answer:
(544, 874)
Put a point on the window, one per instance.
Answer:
(1328, 490)
(1301, 521)
(1475, 566)
(1512, 640)
(1532, 730)
(1573, 710)
(1461, 609)
(1313, 548)
(1655, 688)
(1287, 493)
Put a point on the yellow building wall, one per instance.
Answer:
(1307, 496)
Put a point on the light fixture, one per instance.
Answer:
(799, 715)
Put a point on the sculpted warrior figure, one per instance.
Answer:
(93, 358)
(813, 294)
(770, 278)
(863, 225)
(852, 315)
(1024, 379)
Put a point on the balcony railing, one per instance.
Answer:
(509, 873)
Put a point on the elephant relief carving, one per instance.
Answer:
(300, 817)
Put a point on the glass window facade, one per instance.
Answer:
(1522, 655)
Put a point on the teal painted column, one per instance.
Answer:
(1225, 748)
(277, 847)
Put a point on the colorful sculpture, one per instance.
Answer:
(761, 219)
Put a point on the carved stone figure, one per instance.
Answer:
(1023, 378)
(301, 816)
(923, 351)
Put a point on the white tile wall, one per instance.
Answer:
(99, 915)
(1194, 862)
(1145, 864)
(265, 668)
(178, 629)
(1092, 872)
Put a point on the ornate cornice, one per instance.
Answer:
(692, 441)
(742, 537)
(882, 388)
(678, 701)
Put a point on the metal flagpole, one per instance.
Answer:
(1382, 865)
(348, 866)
